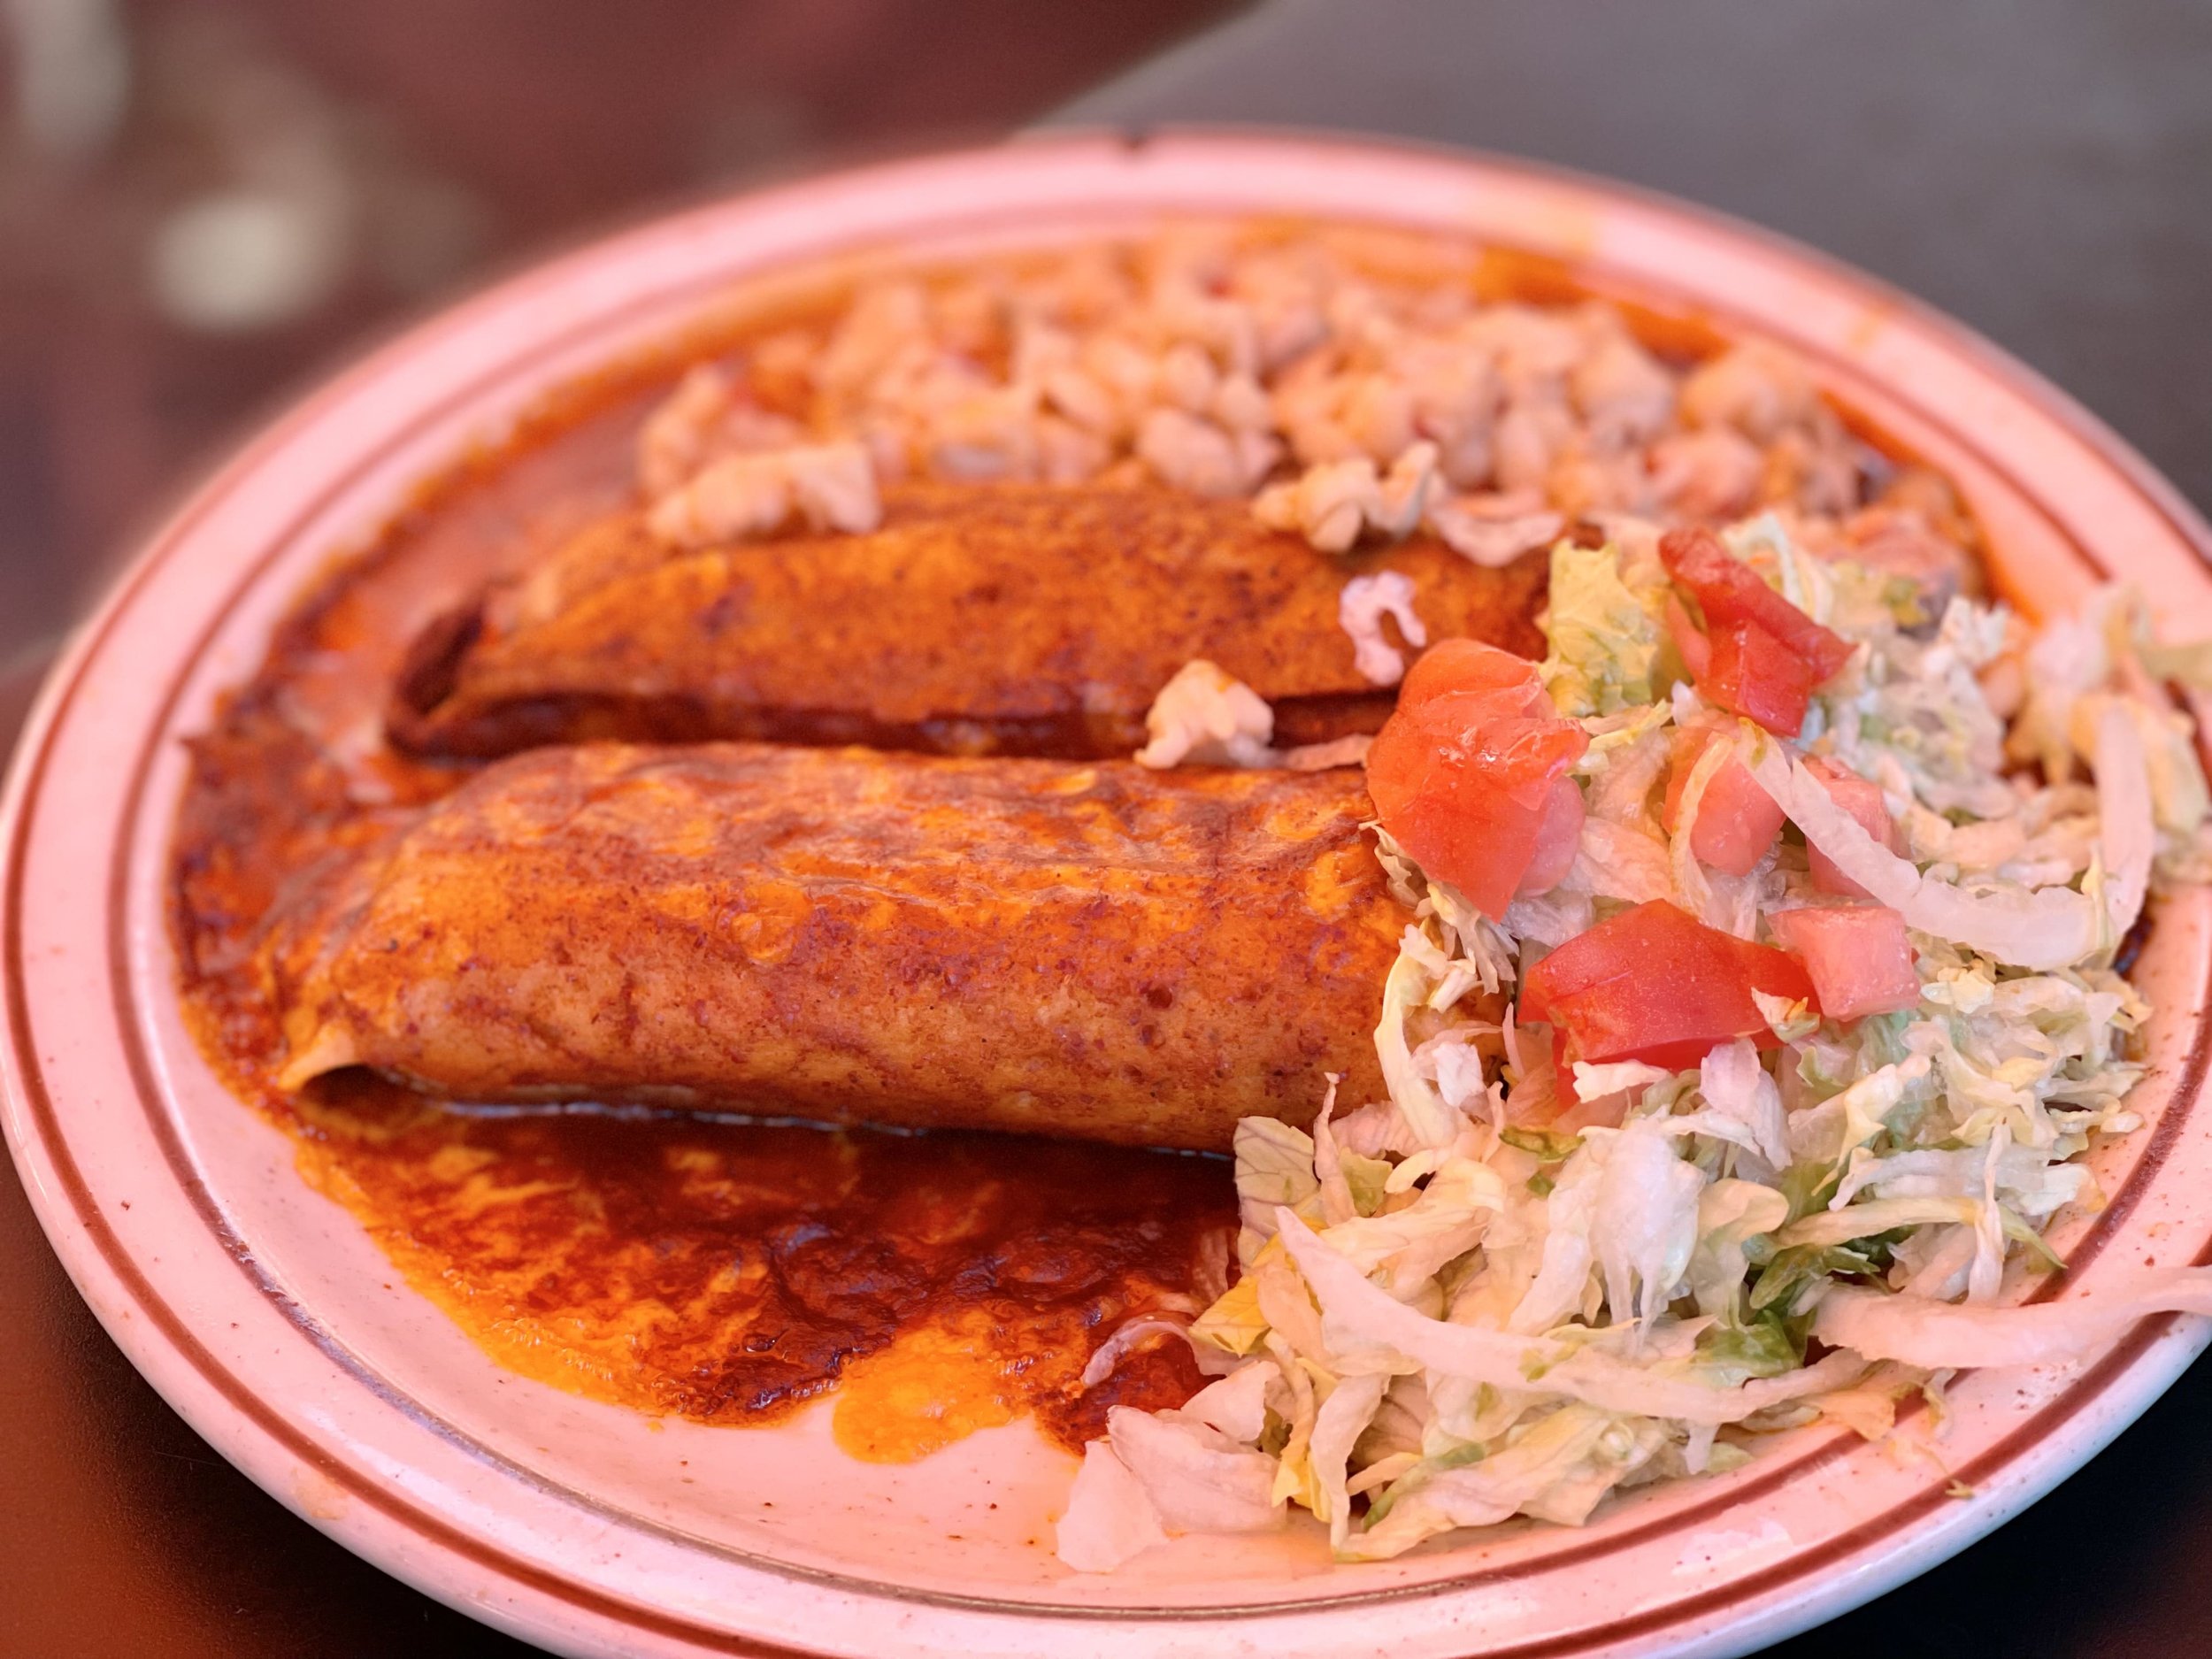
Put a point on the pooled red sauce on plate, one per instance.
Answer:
(730, 1272)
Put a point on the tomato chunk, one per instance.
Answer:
(1470, 775)
(1863, 800)
(1468, 665)
(1737, 820)
(1558, 838)
(1759, 677)
(1857, 955)
(1656, 985)
(1730, 592)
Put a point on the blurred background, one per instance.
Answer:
(206, 204)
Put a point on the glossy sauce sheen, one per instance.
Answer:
(732, 1273)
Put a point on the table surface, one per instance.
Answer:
(2041, 168)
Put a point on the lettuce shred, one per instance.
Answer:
(1505, 1289)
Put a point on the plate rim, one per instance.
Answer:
(35, 1144)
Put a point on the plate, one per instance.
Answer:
(264, 1315)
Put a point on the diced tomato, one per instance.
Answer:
(1759, 677)
(1863, 800)
(1857, 957)
(1730, 592)
(1470, 774)
(1468, 665)
(1558, 838)
(1737, 820)
(1656, 985)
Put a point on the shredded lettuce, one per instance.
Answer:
(1604, 635)
(1110, 1518)
(1940, 1335)
(1234, 1324)
(1199, 1479)
(1373, 1331)
(1236, 1404)
(1556, 1471)
(2033, 927)
(1512, 1287)
(1275, 1167)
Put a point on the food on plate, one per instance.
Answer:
(1758, 654)
(1023, 620)
(808, 556)
(1093, 950)
(1536, 782)
(1470, 775)
(1608, 1000)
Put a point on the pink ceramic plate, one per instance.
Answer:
(264, 1315)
